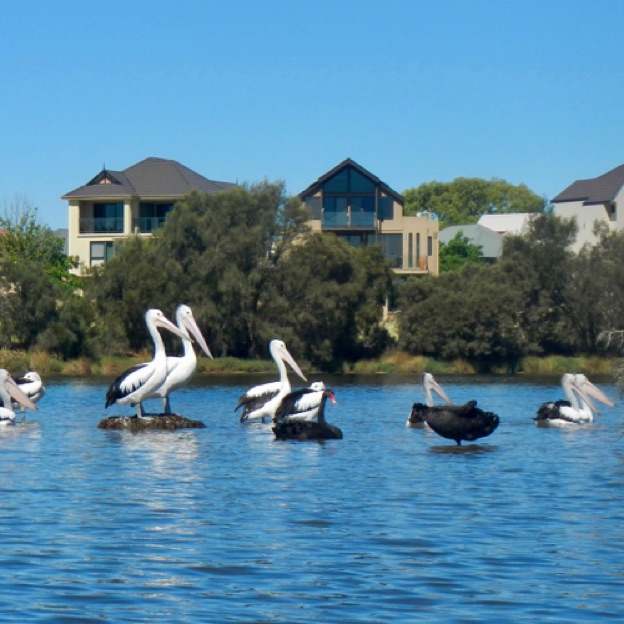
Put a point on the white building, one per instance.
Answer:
(593, 200)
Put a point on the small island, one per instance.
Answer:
(149, 422)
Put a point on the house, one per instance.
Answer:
(593, 200)
(115, 204)
(491, 242)
(506, 223)
(358, 207)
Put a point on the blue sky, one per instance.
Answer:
(530, 91)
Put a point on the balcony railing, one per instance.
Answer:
(147, 224)
(102, 225)
(348, 219)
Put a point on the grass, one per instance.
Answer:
(18, 362)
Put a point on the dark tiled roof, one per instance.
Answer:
(598, 190)
(314, 188)
(152, 177)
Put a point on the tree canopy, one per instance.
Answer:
(39, 302)
(244, 261)
(464, 200)
(459, 252)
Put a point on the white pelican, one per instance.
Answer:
(416, 418)
(181, 369)
(31, 385)
(454, 422)
(301, 404)
(577, 409)
(319, 429)
(138, 382)
(262, 401)
(9, 391)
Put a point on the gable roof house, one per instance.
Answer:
(595, 199)
(358, 207)
(115, 204)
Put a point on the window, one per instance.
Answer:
(107, 217)
(429, 246)
(101, 251)
(335, 212)
(152, 216)
(392, 245)
(410, 250)
(363, 211)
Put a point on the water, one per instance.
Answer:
(390, 524)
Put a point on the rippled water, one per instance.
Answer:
(390, 524)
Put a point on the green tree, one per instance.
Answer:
(464, 200)
(471, 313)
(24, 239)
(325, 301)
(215, 253)
(459, 252)
(40, 306)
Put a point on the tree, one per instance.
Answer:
(214, 253)
(24, 239)
(325, 301)
(471, 313)
(464, 200)
(459, 252)
(40, 307)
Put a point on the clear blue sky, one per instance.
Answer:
(531, 91)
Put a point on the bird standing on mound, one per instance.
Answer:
(137, 383)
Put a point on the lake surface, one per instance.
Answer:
(390, 524)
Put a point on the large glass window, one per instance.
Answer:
(363, 212)
(335, 212)
(107, 217)
(152, 215)
(392, 245)
(101, 251)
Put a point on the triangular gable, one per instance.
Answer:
(104, 177)
(359, 171)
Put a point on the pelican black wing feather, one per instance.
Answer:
(115, 392)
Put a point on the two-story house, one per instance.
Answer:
(358, 207)
(595, 199)
(115, 204)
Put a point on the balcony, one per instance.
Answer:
(348, 219)
(147, 224)
(101, 225)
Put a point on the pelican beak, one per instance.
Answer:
(191, 325)
(18, 395)
(291, 361)
(589, 390)
(437, 388)
(165, 323)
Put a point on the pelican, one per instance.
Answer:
(319, 429)
(416, 417)
(301, 404)
(31, 385)
(577, 409)
(9, 391)
(262, 401)
(181, 369)
(454, 422)
(138, 382)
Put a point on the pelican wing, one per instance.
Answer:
(128, 382)
(257, 396)
(302, 403)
